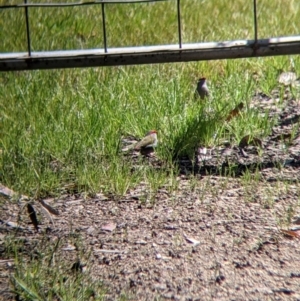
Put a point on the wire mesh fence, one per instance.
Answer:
(111, 56)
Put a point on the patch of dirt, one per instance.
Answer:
(215, 238)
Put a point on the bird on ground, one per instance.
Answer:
(149, 141)
(202, 89)
(146, 145)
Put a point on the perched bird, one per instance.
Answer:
(146, 145)
(202, 89)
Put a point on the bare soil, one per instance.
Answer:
(217, 237)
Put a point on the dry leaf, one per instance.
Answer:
(49, 208)
(247, 140)
(291, 233)
(32, 216)
(109, 227)
(236, 111)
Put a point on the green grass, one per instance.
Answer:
(76, 118)
(78, 121)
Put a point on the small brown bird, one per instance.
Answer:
(236, 111)
(202, 89)
(149, 141)
(146, 145)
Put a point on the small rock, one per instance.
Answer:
(141, 242)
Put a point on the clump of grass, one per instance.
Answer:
(41, 272)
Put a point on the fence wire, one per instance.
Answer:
(140, 55)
